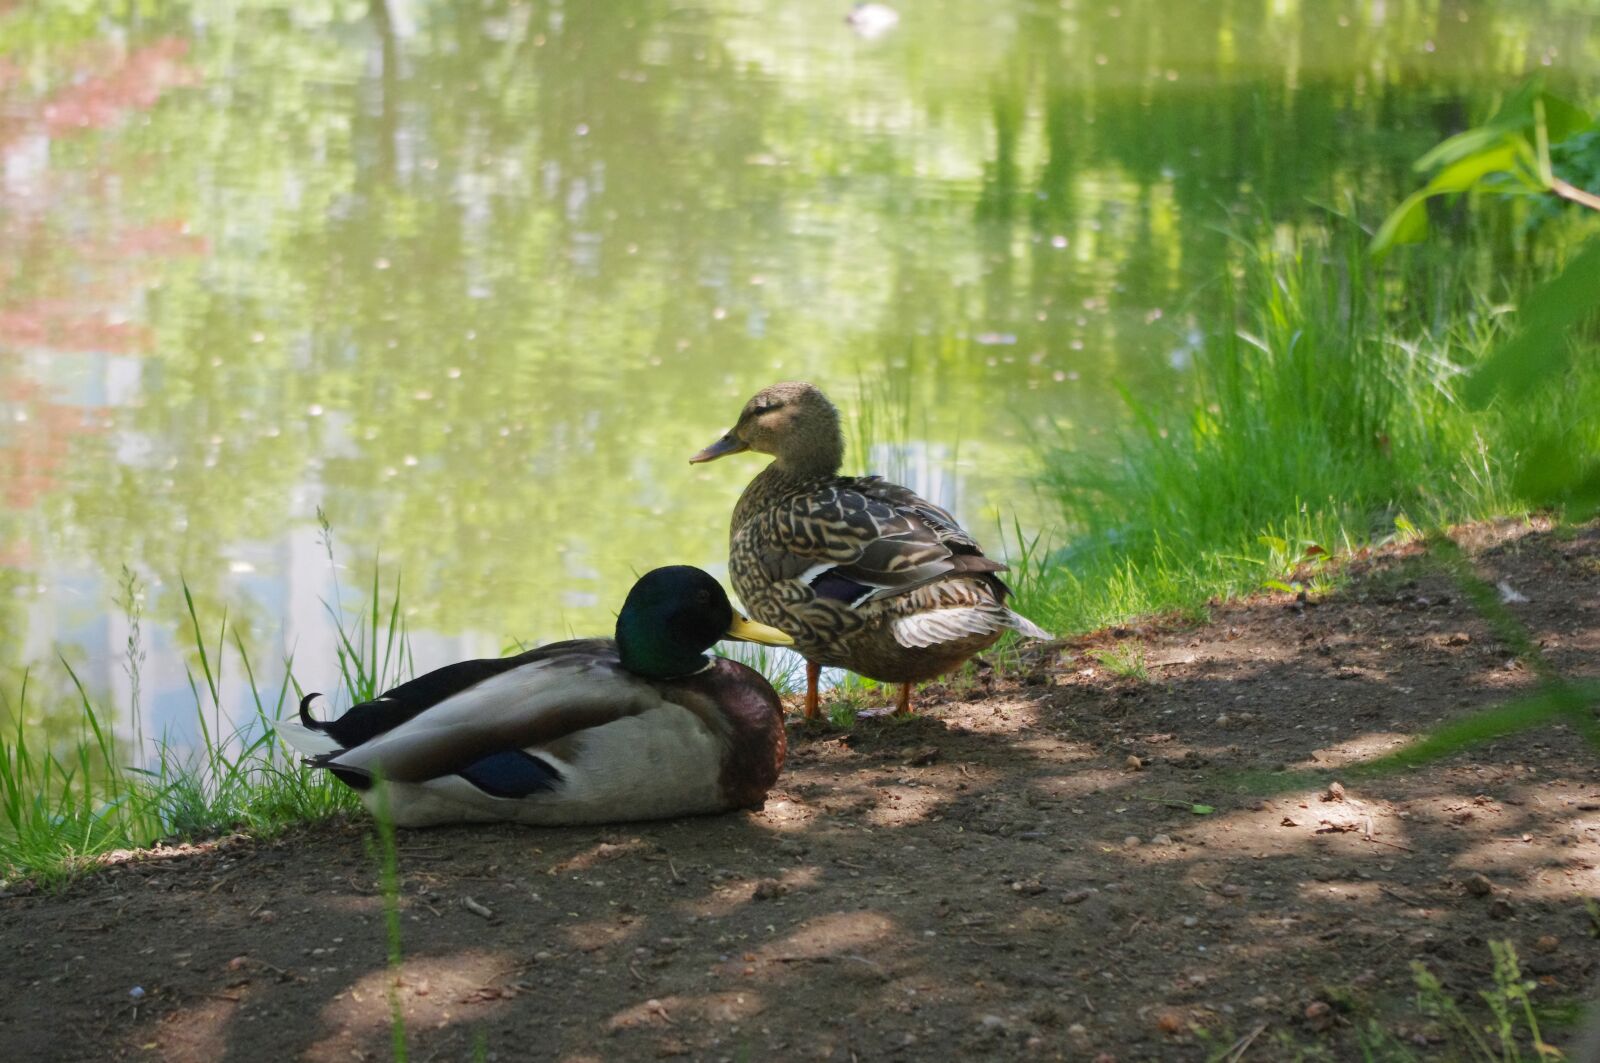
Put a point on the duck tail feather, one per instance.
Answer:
(306, 719)
(1025, 627)
(309, 740)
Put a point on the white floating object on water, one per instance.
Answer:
(872, 20)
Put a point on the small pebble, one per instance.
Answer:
(1131, 840)
(769, 889)
(137, 992)
(1134, 763)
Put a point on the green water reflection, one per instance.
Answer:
(477, 277)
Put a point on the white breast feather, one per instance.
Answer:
(665, 762)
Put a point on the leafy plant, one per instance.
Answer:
(1509, 155)
(1320, 412)
(1558, 461)
(1515, 153)
(1511, 1011)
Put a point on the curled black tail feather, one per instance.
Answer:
(305, 713)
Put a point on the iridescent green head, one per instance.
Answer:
(673, 615)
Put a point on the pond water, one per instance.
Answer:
(477, 277)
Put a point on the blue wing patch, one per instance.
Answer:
(511, 773)
(840, 588)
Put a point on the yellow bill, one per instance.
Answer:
(749, 631)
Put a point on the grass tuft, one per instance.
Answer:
(1320, 417)
(1125, 661)
(65, 802)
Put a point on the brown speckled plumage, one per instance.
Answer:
(863, 573)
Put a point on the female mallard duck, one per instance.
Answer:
(863, 573)
(587, 731)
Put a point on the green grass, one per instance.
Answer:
(1509, 1033)
(1321, 416)
(1501, 1022)
(1125, 661)
(844, 701)
(65, 801)
(786, 671)
(388, 860)
(1497, 1022)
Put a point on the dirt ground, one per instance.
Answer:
(1015, 873)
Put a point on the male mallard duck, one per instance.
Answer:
(587, 731)
(863, 573)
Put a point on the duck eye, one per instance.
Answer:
(704, 597)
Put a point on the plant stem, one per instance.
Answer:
(1574, 193)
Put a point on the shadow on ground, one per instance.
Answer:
(1018, 873)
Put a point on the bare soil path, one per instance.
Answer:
(1017, 873)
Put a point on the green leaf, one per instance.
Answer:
(1406, 224)
(1539, 350)
(1461, 175)
(1515, 115)
(1499, 154)
(1201, 810)
(1563, 118)
(1458, 147)
(1550, 472)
